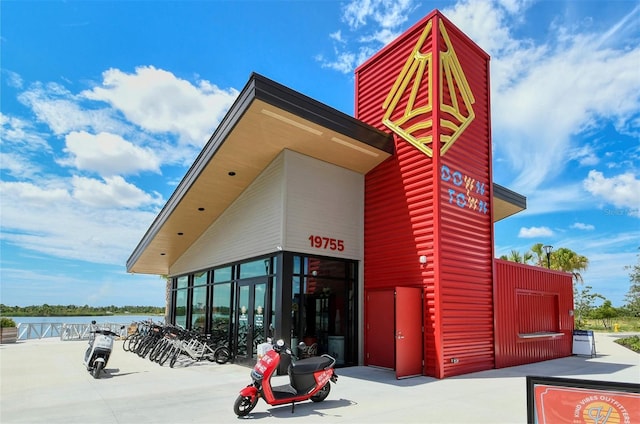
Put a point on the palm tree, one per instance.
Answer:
(567, 260)
(536, 249)
(515, 256)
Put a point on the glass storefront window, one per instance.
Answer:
(200, 279)
(222, 274)
(296, 265)
(323, 304)
(181, 307)
(183, 282)
(237, 304)
(221, 311)
(199, 308)
(254, 269)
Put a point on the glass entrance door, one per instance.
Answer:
(250, 329)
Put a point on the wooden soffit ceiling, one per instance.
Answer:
(265, 119)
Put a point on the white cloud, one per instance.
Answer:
(62, 111)
(107, 154)
(29, 196)
(49, 220)
(113, 192)
(581, 226)
(584, 155)
(18, 166)
(533, 232)
(158, 101)
(486, 23)
(337, 36)
(20, 134)
(12, 79)
(384, 13)
(556, 199)
(385, 19)
(558, 95)
(622, 190)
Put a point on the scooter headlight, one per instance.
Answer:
(256, 375)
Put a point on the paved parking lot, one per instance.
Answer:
(44, 381)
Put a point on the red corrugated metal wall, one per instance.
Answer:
(439, 205)
(532, 314)
(399, 201)
(466, 224)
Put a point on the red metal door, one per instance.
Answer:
(409, 340)
(379, 328)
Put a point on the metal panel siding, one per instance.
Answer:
(465, 225)
(410, 210)
(251, 226)
(520, 293)
(399, 201)
(322, 200)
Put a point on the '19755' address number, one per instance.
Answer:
(326, 243)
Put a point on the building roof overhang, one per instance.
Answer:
(265, 119)
(506, 202)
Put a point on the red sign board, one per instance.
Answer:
(570, 401)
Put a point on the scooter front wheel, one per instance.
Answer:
(322, 394)
(222, 355)
(244, 404)
(96, 369)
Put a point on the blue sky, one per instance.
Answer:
(105, 105)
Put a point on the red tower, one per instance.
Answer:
(431, 201)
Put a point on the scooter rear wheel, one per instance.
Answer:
(322, 394)
(244, 404)
(96, 369)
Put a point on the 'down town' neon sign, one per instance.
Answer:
(464, 191)
(416, 76)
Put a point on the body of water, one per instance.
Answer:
(113, 319)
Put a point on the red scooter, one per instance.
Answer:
(308, 379)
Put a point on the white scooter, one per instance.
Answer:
(99, 349)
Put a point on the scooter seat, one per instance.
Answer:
(310, 365)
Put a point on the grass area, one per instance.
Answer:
(624, 325)
(632, 343)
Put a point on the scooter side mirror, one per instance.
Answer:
(93, 322)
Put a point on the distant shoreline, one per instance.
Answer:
(82, 315)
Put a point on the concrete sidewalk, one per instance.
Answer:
(44, 381)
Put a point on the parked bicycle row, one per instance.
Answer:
(164, 343)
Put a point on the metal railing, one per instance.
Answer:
(42, 330)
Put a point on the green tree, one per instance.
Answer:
(633, 295)
(516, 256)
(540, 256)
(605, 312)
(569, 261)
(583, 304)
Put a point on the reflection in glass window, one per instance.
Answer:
(200, 279)
(183, 282)
(221, 311)
(296, 265)
(222, 274)
(199, 308)
(181, 307)
(254, 269)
